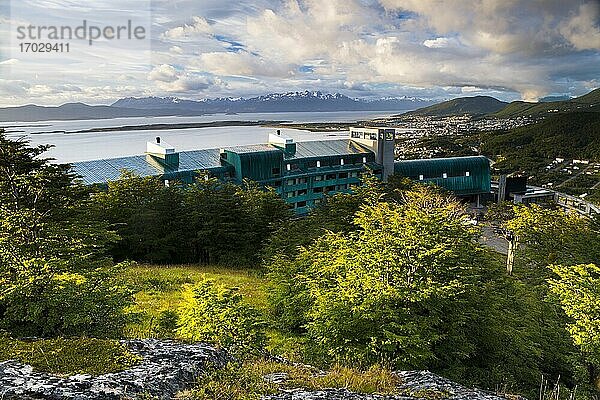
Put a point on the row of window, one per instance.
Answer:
(318, 190)
(319, 164)
(445, 175)
(319, 178)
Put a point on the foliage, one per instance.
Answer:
(529, 148)
(55, 278)
(159, 291)
(552, 236)
(216, 314)
(209, 221)
(69, 356)
(336, 214)
(381, 293)
(577, 288)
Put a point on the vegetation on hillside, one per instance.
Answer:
(55, 275)
(208, 222)
(486, 106)
(530, 148)
(69, 356)
(475, 106)
(589, 102)
(390, 276)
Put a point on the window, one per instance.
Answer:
(364, 160)
(318, 164)
(421, 177)
(301, 204)
(301, 180)
(468, 173)
(276, 171)
(343, 175)
(318, 190)
(301, 192)
(445, 175)
(341, 161)
(330, 177)
(289, 167)
(311, 164)
(275, 184)
(291, 182)
(290, 194)
(318, 178)
(354, 174)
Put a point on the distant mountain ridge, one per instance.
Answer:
(306, 101)
(486, 106)
(277, 102)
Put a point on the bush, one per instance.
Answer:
(69, 356)
(55, 277)
(216, 314)
(390, 292)
(67, 304)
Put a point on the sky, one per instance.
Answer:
(195, 49)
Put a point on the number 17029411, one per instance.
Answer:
(44, 47)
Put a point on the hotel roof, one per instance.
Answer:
(102, 171)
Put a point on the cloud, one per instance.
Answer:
(582, 29)
(244, 64)
(163, 73)
(199, 26)
(434, 48)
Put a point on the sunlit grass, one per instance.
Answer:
(159, 288)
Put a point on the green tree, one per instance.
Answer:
(148, 216)
(385, 292)
(577, 288)
(55, 278)
(218, 315)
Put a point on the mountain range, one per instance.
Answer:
(489, 107)
(172, 106)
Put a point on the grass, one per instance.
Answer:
(247, 382)
(159, 291)
(69, 356)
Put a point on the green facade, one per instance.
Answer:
(461, 175)
(302, 174)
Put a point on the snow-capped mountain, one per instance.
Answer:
(314, 101)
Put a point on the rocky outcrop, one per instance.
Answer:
(414, 385)
(166, 368)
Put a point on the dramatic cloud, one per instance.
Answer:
(425, 48)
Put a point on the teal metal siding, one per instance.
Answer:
(456, 168)
(257, 166)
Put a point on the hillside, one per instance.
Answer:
(475, 106)
(586, 103)
(572, 135)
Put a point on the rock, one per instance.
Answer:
(415, 385)
(166, 368)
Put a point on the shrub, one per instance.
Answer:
(69, 356)
(218, 315)
(167, 322)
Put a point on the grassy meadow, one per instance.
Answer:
(159, 289)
